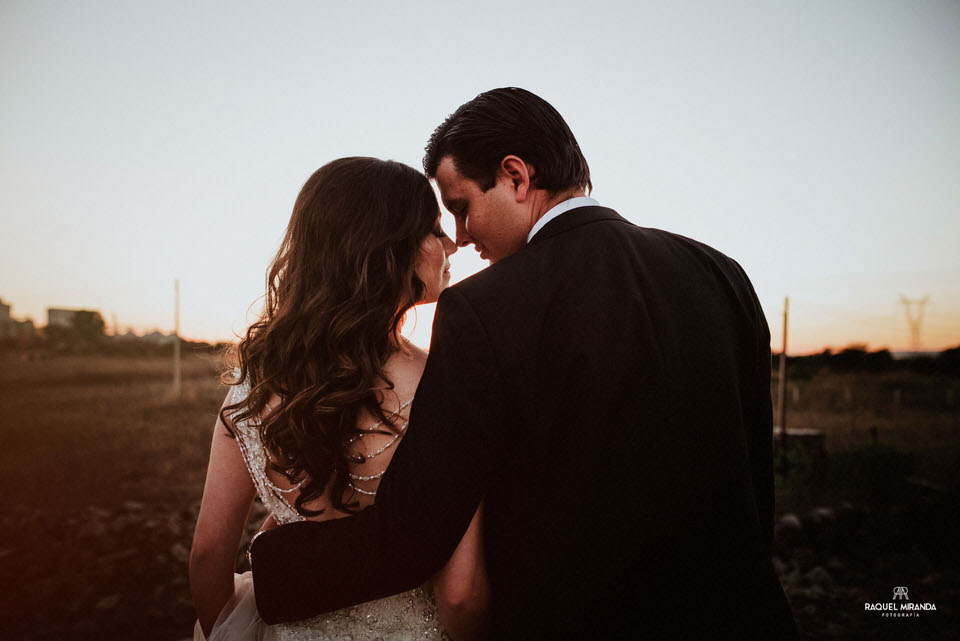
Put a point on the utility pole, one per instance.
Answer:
(176, 339)
(782, 389)
(914, 318)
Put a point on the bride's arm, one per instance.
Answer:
(227, 497)
(461, 588)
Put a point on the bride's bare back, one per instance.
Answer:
(404, 369)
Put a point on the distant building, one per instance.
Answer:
(13, 328)
(157, 338)
(127, 337)
(5, 321)
(57, 317)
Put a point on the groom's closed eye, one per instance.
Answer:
(456, 207)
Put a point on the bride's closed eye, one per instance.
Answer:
(438, 232)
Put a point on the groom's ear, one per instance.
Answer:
(519, 174)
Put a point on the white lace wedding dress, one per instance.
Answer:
(405, 616)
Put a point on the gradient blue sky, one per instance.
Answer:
(818, 143)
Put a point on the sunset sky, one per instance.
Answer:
(817, 143)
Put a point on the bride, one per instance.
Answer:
(321, 398)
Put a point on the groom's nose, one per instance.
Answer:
(463, 238)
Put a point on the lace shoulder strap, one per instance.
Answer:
(255, 457)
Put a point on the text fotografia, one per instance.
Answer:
(901, 606)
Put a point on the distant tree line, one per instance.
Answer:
(86, 334)
(86, 329)
(858, 358)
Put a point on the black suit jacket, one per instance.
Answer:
(606, 391)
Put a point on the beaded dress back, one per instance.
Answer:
(409, 615)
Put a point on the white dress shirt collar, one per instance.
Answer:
(560, 208)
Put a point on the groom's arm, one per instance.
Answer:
(425, 501)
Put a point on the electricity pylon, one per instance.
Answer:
(914, 309)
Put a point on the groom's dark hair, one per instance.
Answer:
(506, 121)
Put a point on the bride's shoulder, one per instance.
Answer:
(406, 363)
(239, 390)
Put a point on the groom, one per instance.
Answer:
(603, 387)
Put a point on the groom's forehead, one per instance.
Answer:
(450, 184)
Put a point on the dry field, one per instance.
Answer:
(918, 414)
(84, 430)
(103, 469)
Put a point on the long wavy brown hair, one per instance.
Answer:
(336, 295)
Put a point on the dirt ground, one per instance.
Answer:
(102, 470)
